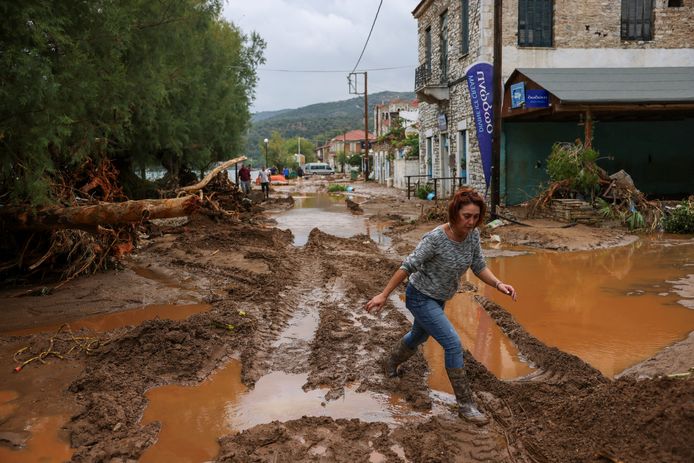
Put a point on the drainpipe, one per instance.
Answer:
(496, 130)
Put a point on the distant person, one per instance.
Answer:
(434, 269)
(273, 170)
(245, 179)
(285, 172)
(264, 176)
(300, 172)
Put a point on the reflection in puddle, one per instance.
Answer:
(330, 214)
(192, 418)
(279, 396)
(111, 321)
(158, 276)
(43, 445)
(220, 406)
(612, 308)
(302, 326)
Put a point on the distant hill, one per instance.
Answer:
(317, 122)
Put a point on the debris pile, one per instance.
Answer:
(574, 174)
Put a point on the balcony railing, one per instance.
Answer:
(422, 75)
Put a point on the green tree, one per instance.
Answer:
(132, 82)
(308, 149)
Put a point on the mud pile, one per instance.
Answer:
(257, 281)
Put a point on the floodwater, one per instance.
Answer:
(43, 446)
(113, 320)
(45, 443)
(190, 432)
(482, 337)
(613, 308)
(221, 405)
(329, 213)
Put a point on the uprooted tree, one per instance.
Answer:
(93, 91)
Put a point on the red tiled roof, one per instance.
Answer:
(353, 135)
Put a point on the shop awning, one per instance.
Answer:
(614, 93)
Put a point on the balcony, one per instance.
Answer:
(427, 88)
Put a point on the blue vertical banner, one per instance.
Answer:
(479, 82)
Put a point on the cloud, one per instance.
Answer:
(327, 35)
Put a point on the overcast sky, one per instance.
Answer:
(327, 35)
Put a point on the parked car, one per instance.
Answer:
(318, 168)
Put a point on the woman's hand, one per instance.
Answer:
(507, 289)
(376, 303)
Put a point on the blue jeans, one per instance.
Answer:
(430, 320)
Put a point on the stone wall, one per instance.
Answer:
(586, 33)
(596, 24)
(457, 109)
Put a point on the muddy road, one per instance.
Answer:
(283, 312)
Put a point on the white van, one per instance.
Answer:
(318, 168)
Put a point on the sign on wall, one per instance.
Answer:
(517, 95)
(479, 81)
(537, 99)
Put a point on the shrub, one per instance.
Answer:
(576, 164)
(423, 191)
(680, 219)
(335, 187)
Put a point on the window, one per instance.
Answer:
(675, 3)
(444, 46)
(464, 27)
(535, 19)
(637, 19)
(427, 48)
(429, 155)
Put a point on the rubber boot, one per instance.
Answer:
(467, 409)
(397, 356)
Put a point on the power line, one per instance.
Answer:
(367, 38)
(334, 70)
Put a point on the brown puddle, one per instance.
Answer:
(479, 334)
(6, 405)
(221, 405)
(330, 214)
(612, 308)
(482, 337)
(44, 445)
(190, 432)
(113, 320)
(279, 396)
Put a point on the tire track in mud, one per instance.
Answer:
(568, 411)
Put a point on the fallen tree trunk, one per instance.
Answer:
(201, 184)
(90, 217)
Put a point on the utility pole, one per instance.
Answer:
(496, 129)
(353, 89)
(366, 128)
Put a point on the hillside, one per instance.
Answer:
(316, 122)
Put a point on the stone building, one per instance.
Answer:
(455, 34)
(386, 115)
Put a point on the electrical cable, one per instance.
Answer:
(367, 38)
(335, 70)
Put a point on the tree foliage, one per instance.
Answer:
(133, 81)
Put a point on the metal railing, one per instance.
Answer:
(413, 186)
(422, 75)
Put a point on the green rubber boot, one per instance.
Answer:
(467, 409)
(398, 356)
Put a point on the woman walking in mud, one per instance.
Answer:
(434, 270)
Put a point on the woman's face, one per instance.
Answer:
(468, 217)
